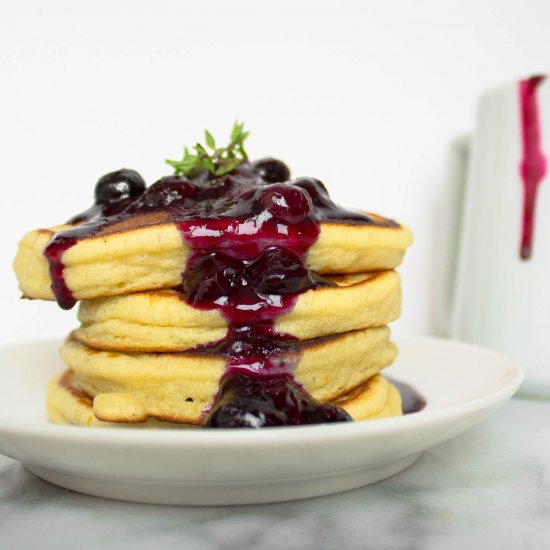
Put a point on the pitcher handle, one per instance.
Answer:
(450, 232)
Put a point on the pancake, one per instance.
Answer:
(162, 321)
(66, 404)
(176, 387)
(130, 258)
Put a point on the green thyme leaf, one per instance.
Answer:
(227, 167)
(235, 131)
(221, 161)
(201, 151)
(210, 141)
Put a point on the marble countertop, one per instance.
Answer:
(488, 488)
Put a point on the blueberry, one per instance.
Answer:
(287, 203)
(167, 192)
(211, 279)
(279, 271)
(315, 189)
(271, 170)
(118, 186)
(248, 401)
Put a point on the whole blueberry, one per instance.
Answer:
(314, 188)
(279, 271)
(169, 191)
(212, 278)
(287, 203)
(118, 186)
(271, 170)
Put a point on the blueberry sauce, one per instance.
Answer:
(249, 234)
(61, 291)
(411, 399)
(267, 400)
(533, 163)
(327, 210)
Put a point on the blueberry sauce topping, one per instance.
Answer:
(249, 231)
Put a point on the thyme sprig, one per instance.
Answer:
(220, 161)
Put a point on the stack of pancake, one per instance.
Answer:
(141, 354)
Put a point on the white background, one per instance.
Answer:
(363, 95)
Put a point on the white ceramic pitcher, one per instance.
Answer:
(492, 295)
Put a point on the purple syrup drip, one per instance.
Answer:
(251, 268)
(57, 246)
(533, 163)
(54, 251)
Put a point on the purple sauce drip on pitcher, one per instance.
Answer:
(533, 163)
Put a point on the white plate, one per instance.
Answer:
(463, 384)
